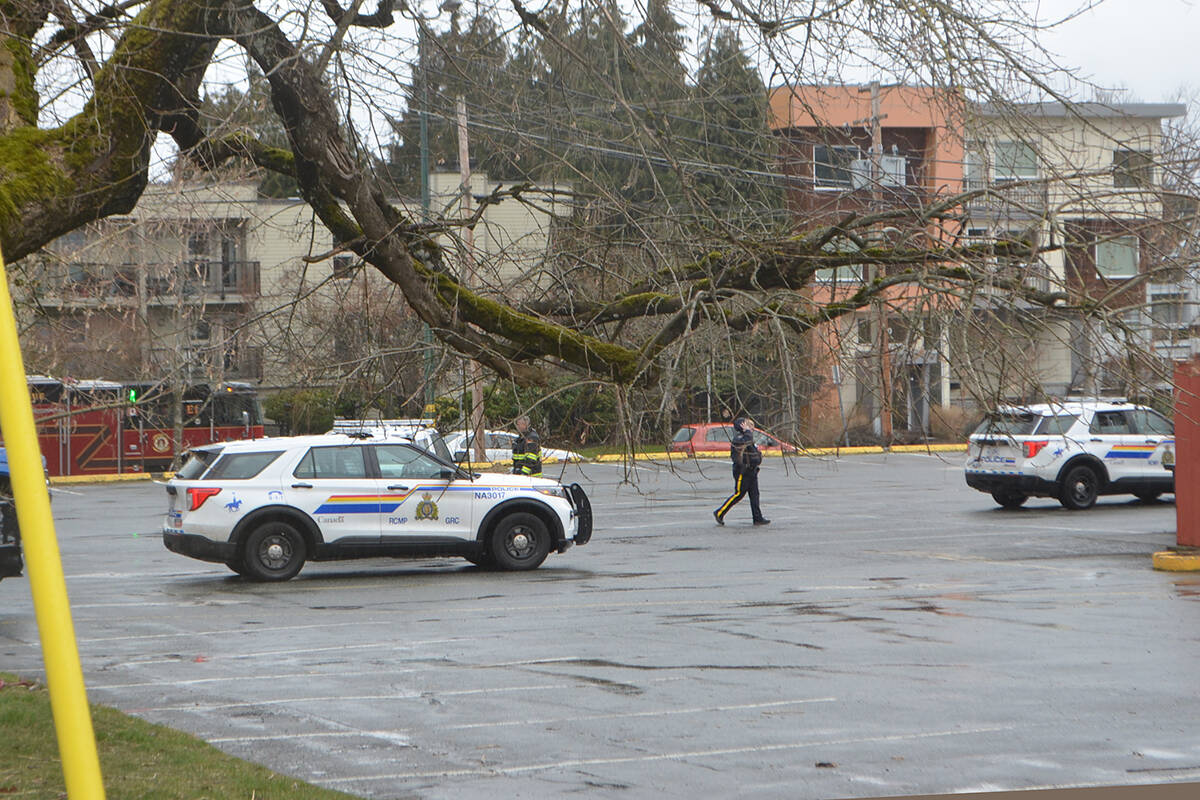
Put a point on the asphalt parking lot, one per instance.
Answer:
(891, 632)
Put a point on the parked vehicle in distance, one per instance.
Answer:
(263, 508)
(499, 447)
(11, 560)
(420, 432)
(1074, 450)
(709, 437)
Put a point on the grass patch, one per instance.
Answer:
(137, 759)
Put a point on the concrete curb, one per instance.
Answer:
(1180, 560)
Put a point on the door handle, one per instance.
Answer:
(397, 488)
(301, 485)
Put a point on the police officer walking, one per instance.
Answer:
(746, 460)
(526, 450)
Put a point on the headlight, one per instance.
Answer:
(554, 491)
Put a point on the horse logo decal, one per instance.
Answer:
(234, 504)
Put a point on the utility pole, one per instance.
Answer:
(468, 235)
(885, 361)
(423, 117)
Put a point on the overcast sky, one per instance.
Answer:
(1151, 47)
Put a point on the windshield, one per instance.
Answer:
(1008, 423)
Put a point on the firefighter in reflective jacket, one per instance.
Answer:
(746, 459)
(527, 450)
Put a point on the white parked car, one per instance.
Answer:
(265, 507)
(1073, 450)
(420, 432)
(499, 447)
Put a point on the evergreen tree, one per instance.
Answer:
(734, 145)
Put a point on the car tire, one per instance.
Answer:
(1080, 488)
(274, 551)
(520, 541)
(6, 492)
(1010, 500)
(236, 566)
(1147, 496)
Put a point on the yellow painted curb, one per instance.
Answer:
(60, 480)
(1173, 561)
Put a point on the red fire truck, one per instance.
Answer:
(101, 427)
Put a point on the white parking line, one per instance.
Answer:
(634, 714)
(675, 756)
(339, 698)
(393, 734)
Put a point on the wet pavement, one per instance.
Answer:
(891, 632)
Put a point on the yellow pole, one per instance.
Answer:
(64, 675)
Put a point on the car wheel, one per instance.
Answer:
(275, 551)
(5, 488)
(1147, 496)
(1080, 487)
(1010, 499)
(519, 542)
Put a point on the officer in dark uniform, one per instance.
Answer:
(527, 450)
(746, 459)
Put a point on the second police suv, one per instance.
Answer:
(1072, 450)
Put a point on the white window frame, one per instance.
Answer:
(845, 167)
(1008, 170)
(1129, 242)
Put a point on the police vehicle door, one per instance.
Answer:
(332, 486)
(1124, 453)
(421, 496)
(1154, 430)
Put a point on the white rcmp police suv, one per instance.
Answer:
(1073, 450)
(264, 507)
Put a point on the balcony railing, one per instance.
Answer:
(215, 280)
(1010, 200)
(95, 283)
(201, 362)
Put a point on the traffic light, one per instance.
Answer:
(132, 394)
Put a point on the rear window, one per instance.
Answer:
(683, 434)
(722, 434)
(196, 463)
(1008, 424)
(241, 466)
(1057, 425)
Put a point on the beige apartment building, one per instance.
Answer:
(1080, 183)
(1083, 184)
(214, 283)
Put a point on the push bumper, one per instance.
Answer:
(1025, 484)
(188, 544)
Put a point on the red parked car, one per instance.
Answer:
(709, 437)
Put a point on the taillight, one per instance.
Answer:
(197, 495)
(1033, 448)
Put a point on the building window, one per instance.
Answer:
(344, 266)
(1015, 161)
(202, 332)
(833, 165)
(1132, 169)
(847, 273)
(1117, 258)
(975, 166)
(1167, 309)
